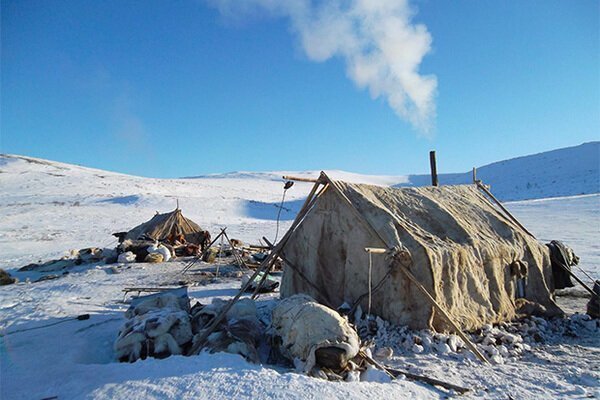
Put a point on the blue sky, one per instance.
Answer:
(169, 89)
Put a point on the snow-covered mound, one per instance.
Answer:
(564, 172)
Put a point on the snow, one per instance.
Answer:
(48, 208)
(557, 173)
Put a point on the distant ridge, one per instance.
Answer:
(557, 173)
(563, 172)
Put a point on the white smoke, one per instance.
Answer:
(381, 46)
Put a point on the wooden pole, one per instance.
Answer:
(310, 283)
(237, 256)
(375, 250)
(482, 187)
(474, 175)
(201, 256)
(432, 163)
(516, 221)
(295, 178)
(444, 314)
(394, 373)
(201, 338)
(594, 294)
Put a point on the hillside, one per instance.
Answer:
(563, 172)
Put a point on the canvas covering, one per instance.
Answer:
(461, 247)
(161, 226)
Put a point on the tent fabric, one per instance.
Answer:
(163, 226)
(462, 248)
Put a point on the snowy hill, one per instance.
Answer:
(564, 172)
(568, 171)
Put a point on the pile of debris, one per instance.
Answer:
(302, 333)
(240, 332)
(164, 324)
(5, 278)
(157, 326)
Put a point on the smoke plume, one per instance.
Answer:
(381, 46)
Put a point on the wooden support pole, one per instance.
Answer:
(375, 250)
(237, 256)
(299, 179)
(294, 268)
(482, 187)
(432, 163)
(201, 256)
(444, 314)
(474, 175)
(394, 373)
(582, 283)
(201, 338)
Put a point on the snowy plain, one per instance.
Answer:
(48, 208)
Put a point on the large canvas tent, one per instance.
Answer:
(169, 225)
(462, 250)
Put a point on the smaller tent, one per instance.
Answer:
(169, 226)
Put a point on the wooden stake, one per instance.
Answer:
(432, 163)
(474, 175)
(394, 373)
(375, 250)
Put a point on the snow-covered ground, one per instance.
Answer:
(47, 208)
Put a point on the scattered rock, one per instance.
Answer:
(5, 278)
